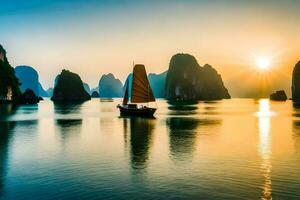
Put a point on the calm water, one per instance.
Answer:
(230, 149)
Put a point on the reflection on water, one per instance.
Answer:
(141, 130)
(182, 136)
(6, 131)
(68, 124)
(265, 150)
(182, 108)
(67, 108)
(296, 127)
(216, 150)
(68, 127)
(6, 111)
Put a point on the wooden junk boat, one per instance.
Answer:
(137, 90)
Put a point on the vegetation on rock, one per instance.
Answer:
(9, 84)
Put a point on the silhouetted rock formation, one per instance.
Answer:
(51, 89)
(157, 83)
(9, 84)
(29, 79)
(56, 80)
(42, 92)
(110, 87)
(95, 89)
(29, 97)
(69, 88)
(187, 80)
(87, 88)
(296, 83)
(278, 96)
(95, 94)
(50, 92)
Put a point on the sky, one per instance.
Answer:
(94, 37)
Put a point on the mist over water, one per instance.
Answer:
(229, 149)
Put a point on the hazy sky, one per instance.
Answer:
(96, 37)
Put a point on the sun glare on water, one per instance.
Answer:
(263, 63)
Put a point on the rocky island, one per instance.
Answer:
(187, 80)
(157, 83)
(110, 87)
(9, 84)
(87, 88)
(296, 83)
(278, 96)
(29, 79)
(95, 94)
(29, 97)
(69, 88)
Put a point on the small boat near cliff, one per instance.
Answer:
(138, 92)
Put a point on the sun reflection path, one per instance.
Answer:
(264, 146)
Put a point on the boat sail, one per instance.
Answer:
(139, 92)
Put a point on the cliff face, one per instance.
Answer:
(187, 80)
(211, 85)
(296, 83)
(50, 91)
(9, 84)
(69, 88)
(157, 83)
(110, 87)
(87, 88)
(28, 78)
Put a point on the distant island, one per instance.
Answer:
(187, 80)
(29, 97)
(110, 87)
(87, 88)
(29, 79)
(157, 82)
(278, 96)
(184, 80)
(69, 88)
(95, 94)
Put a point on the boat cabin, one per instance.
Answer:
(132, 106)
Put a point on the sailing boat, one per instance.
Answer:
(140, 92)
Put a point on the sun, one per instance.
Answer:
(263, 63)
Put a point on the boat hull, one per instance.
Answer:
(140, 112)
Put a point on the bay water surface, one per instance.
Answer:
(230, 149)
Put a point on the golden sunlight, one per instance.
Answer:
(264, 115)
(263, 63)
